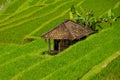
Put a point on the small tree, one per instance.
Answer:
(110, 17)
(75, 16)
(88, 19)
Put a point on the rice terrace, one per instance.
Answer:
(59, 39)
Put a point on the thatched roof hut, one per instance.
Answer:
(67, 30)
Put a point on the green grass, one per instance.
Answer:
(99, 67)
(5, 2)
(35, 14)
(30, 21)
(4, 5)
(99, 6)
(9, 10)
(19, 65)
(80, 61)
(86, 52)
(26, 11)
(7, 48)
(22, 50)
(79, 67)
(49, 1)
(111, 72)
(50, 25)
(21, 58)
(28, 26)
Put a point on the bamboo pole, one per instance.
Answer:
(49, 46)
(59, 47)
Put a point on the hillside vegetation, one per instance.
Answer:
(95, 58)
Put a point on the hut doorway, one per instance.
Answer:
(56, 45)
(60, 45)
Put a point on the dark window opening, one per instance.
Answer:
(56, 45)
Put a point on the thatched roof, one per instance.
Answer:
(68, 30)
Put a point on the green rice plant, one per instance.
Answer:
(19, 11)
(86, 46)
(81, 66)
(116, 9)
(33, 2)
(27, 13)
(31, 15)
(22, 64)
(28, 26)
(27, 5)
(111, 72)
(4, 1)
(98, 5)
(48, 22)
(36, 14)
(11, 9)
(6, 49)
(21, 27)
(23, 50)
(49, 1)
(99, 67)
(51, 25)
(25, 62)
(82, 45)
(4, 4)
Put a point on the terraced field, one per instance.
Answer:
(95, 58)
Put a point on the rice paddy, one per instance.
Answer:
(95, 58)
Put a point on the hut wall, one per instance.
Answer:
(60, 45)
(63, 45)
